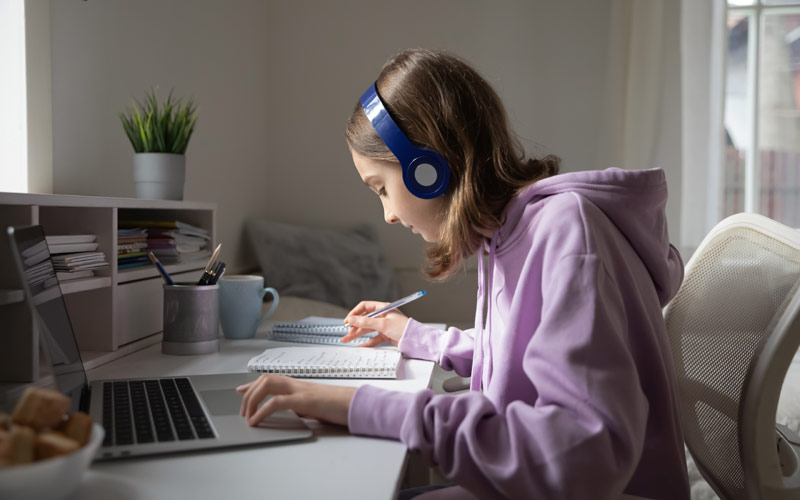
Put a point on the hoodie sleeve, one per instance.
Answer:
(452, 349)
(583, 436)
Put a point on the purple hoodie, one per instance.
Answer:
(573, 393)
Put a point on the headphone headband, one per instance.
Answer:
(425, 172)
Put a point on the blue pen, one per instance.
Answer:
(395, 304)
(161, 269)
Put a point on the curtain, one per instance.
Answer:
(703, 65)
(644, 108)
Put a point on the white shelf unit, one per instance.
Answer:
(113, 312)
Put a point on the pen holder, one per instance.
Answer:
(191, 319)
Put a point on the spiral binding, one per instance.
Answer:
(308, 328)
(313, 338)
(325, 372)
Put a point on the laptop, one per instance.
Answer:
(147, 416)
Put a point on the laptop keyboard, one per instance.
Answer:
(149, 411)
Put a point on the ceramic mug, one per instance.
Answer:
(240, 300)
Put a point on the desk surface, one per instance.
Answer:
(333, 464)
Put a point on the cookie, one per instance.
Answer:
(78, 427)
(19, 446)
(52, 444)
(40, 408)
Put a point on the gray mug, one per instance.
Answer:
(240, 299)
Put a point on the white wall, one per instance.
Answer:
(275, 82)
(39, 104)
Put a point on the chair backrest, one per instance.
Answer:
(734, 327)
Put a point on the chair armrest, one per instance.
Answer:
(455, 384)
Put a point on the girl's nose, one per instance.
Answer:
(390, 218)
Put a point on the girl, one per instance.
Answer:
(572, 390)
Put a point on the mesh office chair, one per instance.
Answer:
(734, 328)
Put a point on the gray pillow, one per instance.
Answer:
(340, 267)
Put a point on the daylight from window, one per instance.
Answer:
(13, 125)
(762, 109)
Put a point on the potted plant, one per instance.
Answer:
(159, 134)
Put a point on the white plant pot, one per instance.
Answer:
(159, 176)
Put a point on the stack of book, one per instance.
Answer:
(131, 248)
(75, 256)
(172, 242)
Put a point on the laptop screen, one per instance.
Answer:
(42, 291)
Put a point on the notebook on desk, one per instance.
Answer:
(315, 330)
(327, 362)
(140, 416)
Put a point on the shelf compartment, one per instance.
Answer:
(84, 284)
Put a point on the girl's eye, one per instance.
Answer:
(382, 192)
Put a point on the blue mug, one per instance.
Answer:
(240, 299)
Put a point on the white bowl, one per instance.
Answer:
(52, 478)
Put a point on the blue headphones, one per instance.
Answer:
(425, 172)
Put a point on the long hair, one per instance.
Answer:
(442, 103)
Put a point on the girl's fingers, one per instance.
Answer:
(273, 404)
(353, 333)
(248, 395)
(376, 340)
(257, 393)
(361, 325)
(260, 389)
(363, 308)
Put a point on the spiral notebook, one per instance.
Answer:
(327, 362)
(315, 330)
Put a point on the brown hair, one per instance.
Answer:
(441, 103)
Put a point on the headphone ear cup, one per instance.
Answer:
(426, 176)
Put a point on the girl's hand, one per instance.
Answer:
(324, 402)
(390, 325)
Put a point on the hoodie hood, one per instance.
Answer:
(634, 200)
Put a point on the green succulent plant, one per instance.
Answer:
(160, 128)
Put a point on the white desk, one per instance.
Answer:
(333, 464)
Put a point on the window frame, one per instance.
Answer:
(755, 14)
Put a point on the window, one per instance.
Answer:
(13, 101)
(762, 109)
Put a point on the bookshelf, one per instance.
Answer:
(114, 312)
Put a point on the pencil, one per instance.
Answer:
(213, 258)
(160, 268)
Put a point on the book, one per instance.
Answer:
(61, 239)
(80, 261)
(183, 227)
(172, 242)
(77, 257)
(327, 362)
(59, 248)
(315, 330)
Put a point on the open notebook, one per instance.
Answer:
(315, 330)
(327, 362)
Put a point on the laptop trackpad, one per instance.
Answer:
(228, 402)
(222, 401)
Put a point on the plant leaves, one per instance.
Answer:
(159, 128)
